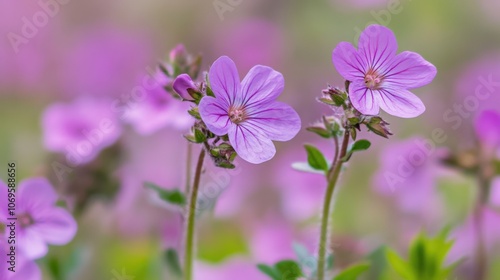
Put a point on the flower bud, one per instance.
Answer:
(185, 87)
(378, 126)
(178, 55)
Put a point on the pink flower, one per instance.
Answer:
(379, 78)
(234, 268)
(248, 111)
(182, 84)
(487, 126)
(39, 221)
(81, 129)
(157, 109)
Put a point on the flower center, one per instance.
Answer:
(237, 115)
(373, 79)
(25, 220)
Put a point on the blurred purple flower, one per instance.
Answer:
(380, 78)
(157, 109)
(234, 268)
(251, 42)
(248, 111)
(80, 129)
(495, 193)
(40, 221)
(466, 235)
(478, 87)
(25, 269)
(407, 172)
(182, 84)
(106, 62)
(487, 126)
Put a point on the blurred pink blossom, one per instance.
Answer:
(40, 221)
(487, 126)
(157, 108)
(80, 129)
(235, 268)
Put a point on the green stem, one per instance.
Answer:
(189, 156)
(333, 176)
(191, 218)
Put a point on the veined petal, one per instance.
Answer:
(262, 83)
(251, 144)
(377, 45)
(55, 226)
(409, 70)
(214, 112)
(400, 102)
(348, 62)
(363, 98)
(224, 79)
(278, 120)
(35, 194)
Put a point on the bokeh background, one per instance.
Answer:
(99, 50)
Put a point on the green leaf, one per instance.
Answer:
(361, 145)
(199, 136)
(305, 167)
(320, 131)
(175, 196)
(173, 263)
(352, 272)
(289, 270)
(315, 158)
(269, 271)
(399, 265)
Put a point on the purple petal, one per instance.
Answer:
(409, 70)
(224, 79)
(181, 85)
(400, 102)
(26, 270)
(487, 128)
(277, 120)
(348, 62)
(363, 98)
(31, 243)
(34, 195)
(251, 144)
(214, 112)
(262, 83)
(55, 226)
(377, 46)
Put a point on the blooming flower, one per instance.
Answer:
(379, 78)
(39, 221)
(80, 129)
(158, 109)
(248, 111)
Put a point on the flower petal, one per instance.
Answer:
(224, 79)
(182, 84)
(363, 98)
(277, 120)
(377, 45)
(31, 243)
(214, 112)
(55, 226)
(400, 102)
(251, 144)
(262, 83)
(34, 195)
(348, 62)
(409, 70)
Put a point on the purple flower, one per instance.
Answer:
(487, 126)
(182, 84)
(80, 129)
(39, 221)
(379, 78)
(248, 111)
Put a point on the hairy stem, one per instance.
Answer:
(189, 155)
(333, 176)
(191, 218)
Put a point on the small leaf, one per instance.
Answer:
(289, 270)
(173, 263)
(361, 145)
(305, 167)
(327, 101)
(175, 196)
(269, 271)
(320, 131)
(352, 272)
(199, 136)
(315, 158)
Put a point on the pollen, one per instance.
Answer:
(373, 80)
(237, 115)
